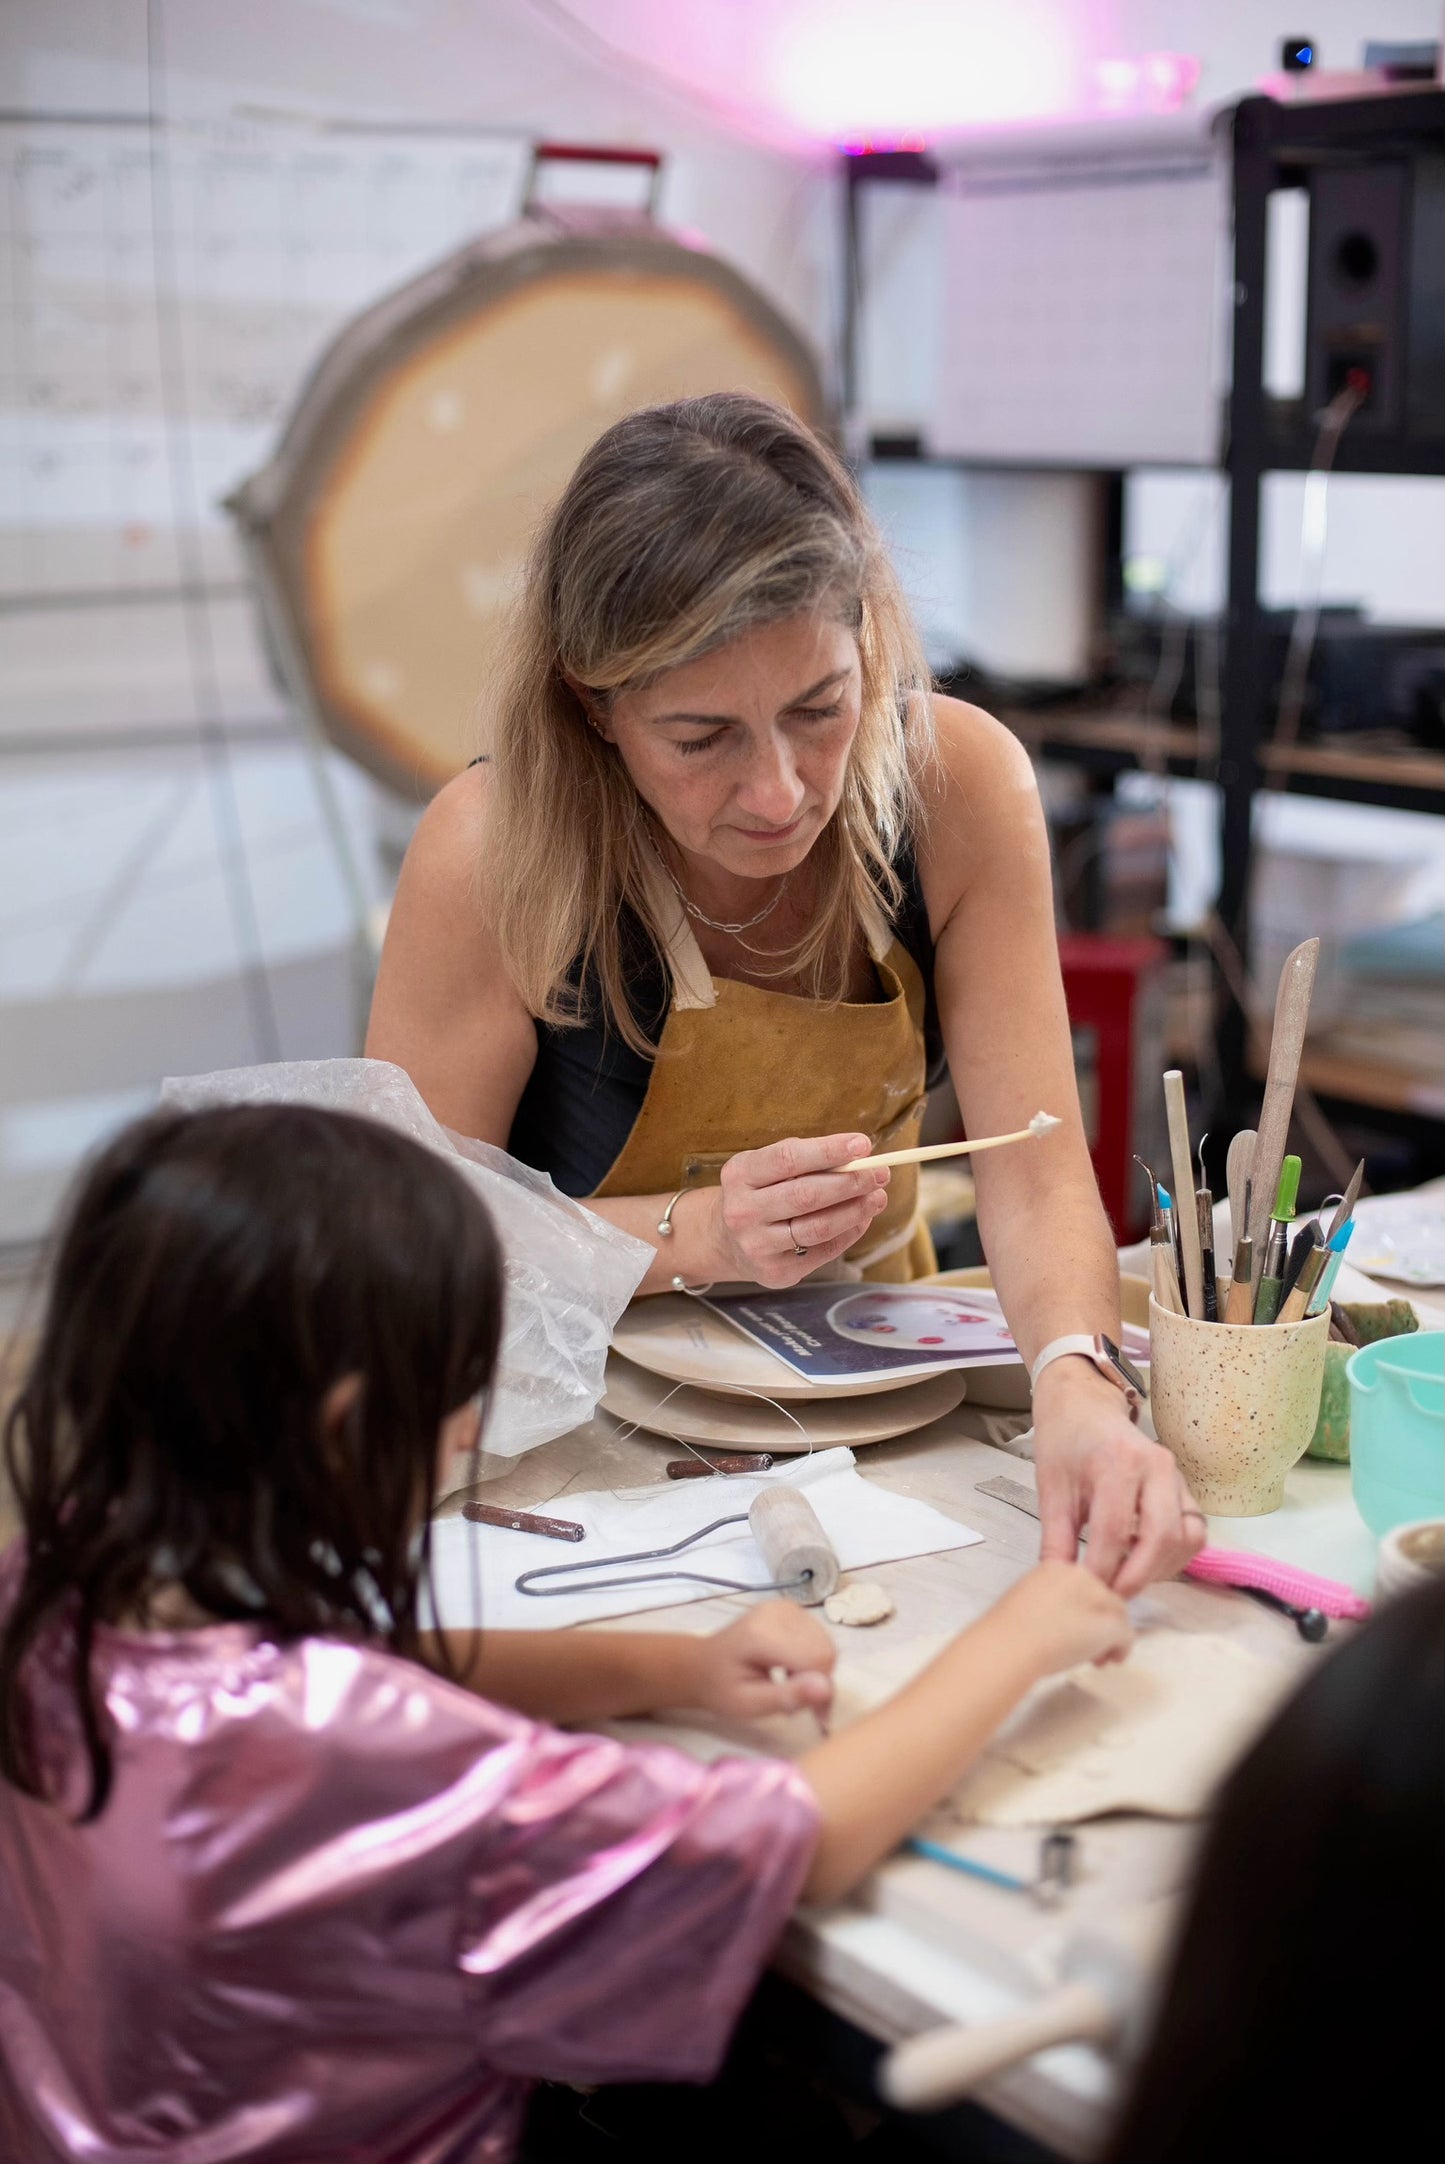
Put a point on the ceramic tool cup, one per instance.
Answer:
(1236, 1405)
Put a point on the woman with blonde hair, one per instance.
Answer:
(731, 885)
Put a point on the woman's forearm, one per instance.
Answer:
(1050, 1251)
(572, 1675)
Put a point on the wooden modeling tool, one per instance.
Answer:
(1345, 1208)
(1238, 1166)
(701, 1468)
(1180, 1157)
(523, 1521)
(1042, 1123)
(1291, 1020)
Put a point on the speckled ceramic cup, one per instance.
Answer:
(1235, 1404)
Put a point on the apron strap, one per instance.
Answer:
(692, 984)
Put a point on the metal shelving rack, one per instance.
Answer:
(1273, 146)
(1277, 146)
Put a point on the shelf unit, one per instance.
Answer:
(1272, 146)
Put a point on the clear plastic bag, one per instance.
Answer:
(569, 1273)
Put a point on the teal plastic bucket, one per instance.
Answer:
(1397, 1429)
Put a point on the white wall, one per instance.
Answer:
(170, 899)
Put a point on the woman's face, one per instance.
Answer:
(741, 756)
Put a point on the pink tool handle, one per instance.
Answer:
(1301, 1588)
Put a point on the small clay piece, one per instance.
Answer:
(1372, 1320)
(1331, 1438)
(858, 1604)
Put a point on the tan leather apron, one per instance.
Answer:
(738, 1067)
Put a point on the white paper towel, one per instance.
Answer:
(478, 1565)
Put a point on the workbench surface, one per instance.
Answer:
(921, 1945)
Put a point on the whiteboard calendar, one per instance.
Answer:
(1083, 319)
(161, 299)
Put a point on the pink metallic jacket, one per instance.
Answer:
(339, 1908)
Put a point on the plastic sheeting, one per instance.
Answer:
(569, 1273)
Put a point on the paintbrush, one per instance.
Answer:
(1291, 1019)
(1181, 1158)
(1296, 1303)
(1042, 1123)
(1303, 1245)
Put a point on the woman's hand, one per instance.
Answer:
(776, 1659)
(1097, 1475)
(792, 1195)
(1065, 1615)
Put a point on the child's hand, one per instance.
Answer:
(1066, 1615)
(778, 1659)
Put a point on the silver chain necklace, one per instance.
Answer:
(715, 924)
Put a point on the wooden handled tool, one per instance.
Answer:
(1184, 1214)
(1291, 1020)
(1102, 1997)
(795, 1548)
(1042, 1123)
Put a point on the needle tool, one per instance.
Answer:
(1181, 1159)
(1237, 1167)
(1204, 1211)
(1281, 1217)
(1346, 1208)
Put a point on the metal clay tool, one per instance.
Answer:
(1281, 1217)
(1180, 1157)
(784, 1524)
(1239, 1307)
(1291, 1019)
(1312, 1624)
(1204, 1212)
(1164, 1282)
(1237, 1168)
(1346, 1207)
(523, 1521)
(1334, 1257)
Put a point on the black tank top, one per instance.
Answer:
(583, 1096)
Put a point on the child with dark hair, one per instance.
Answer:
(283, 1875)
(1303, 2015)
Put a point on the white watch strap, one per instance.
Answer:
(1059, 1348)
